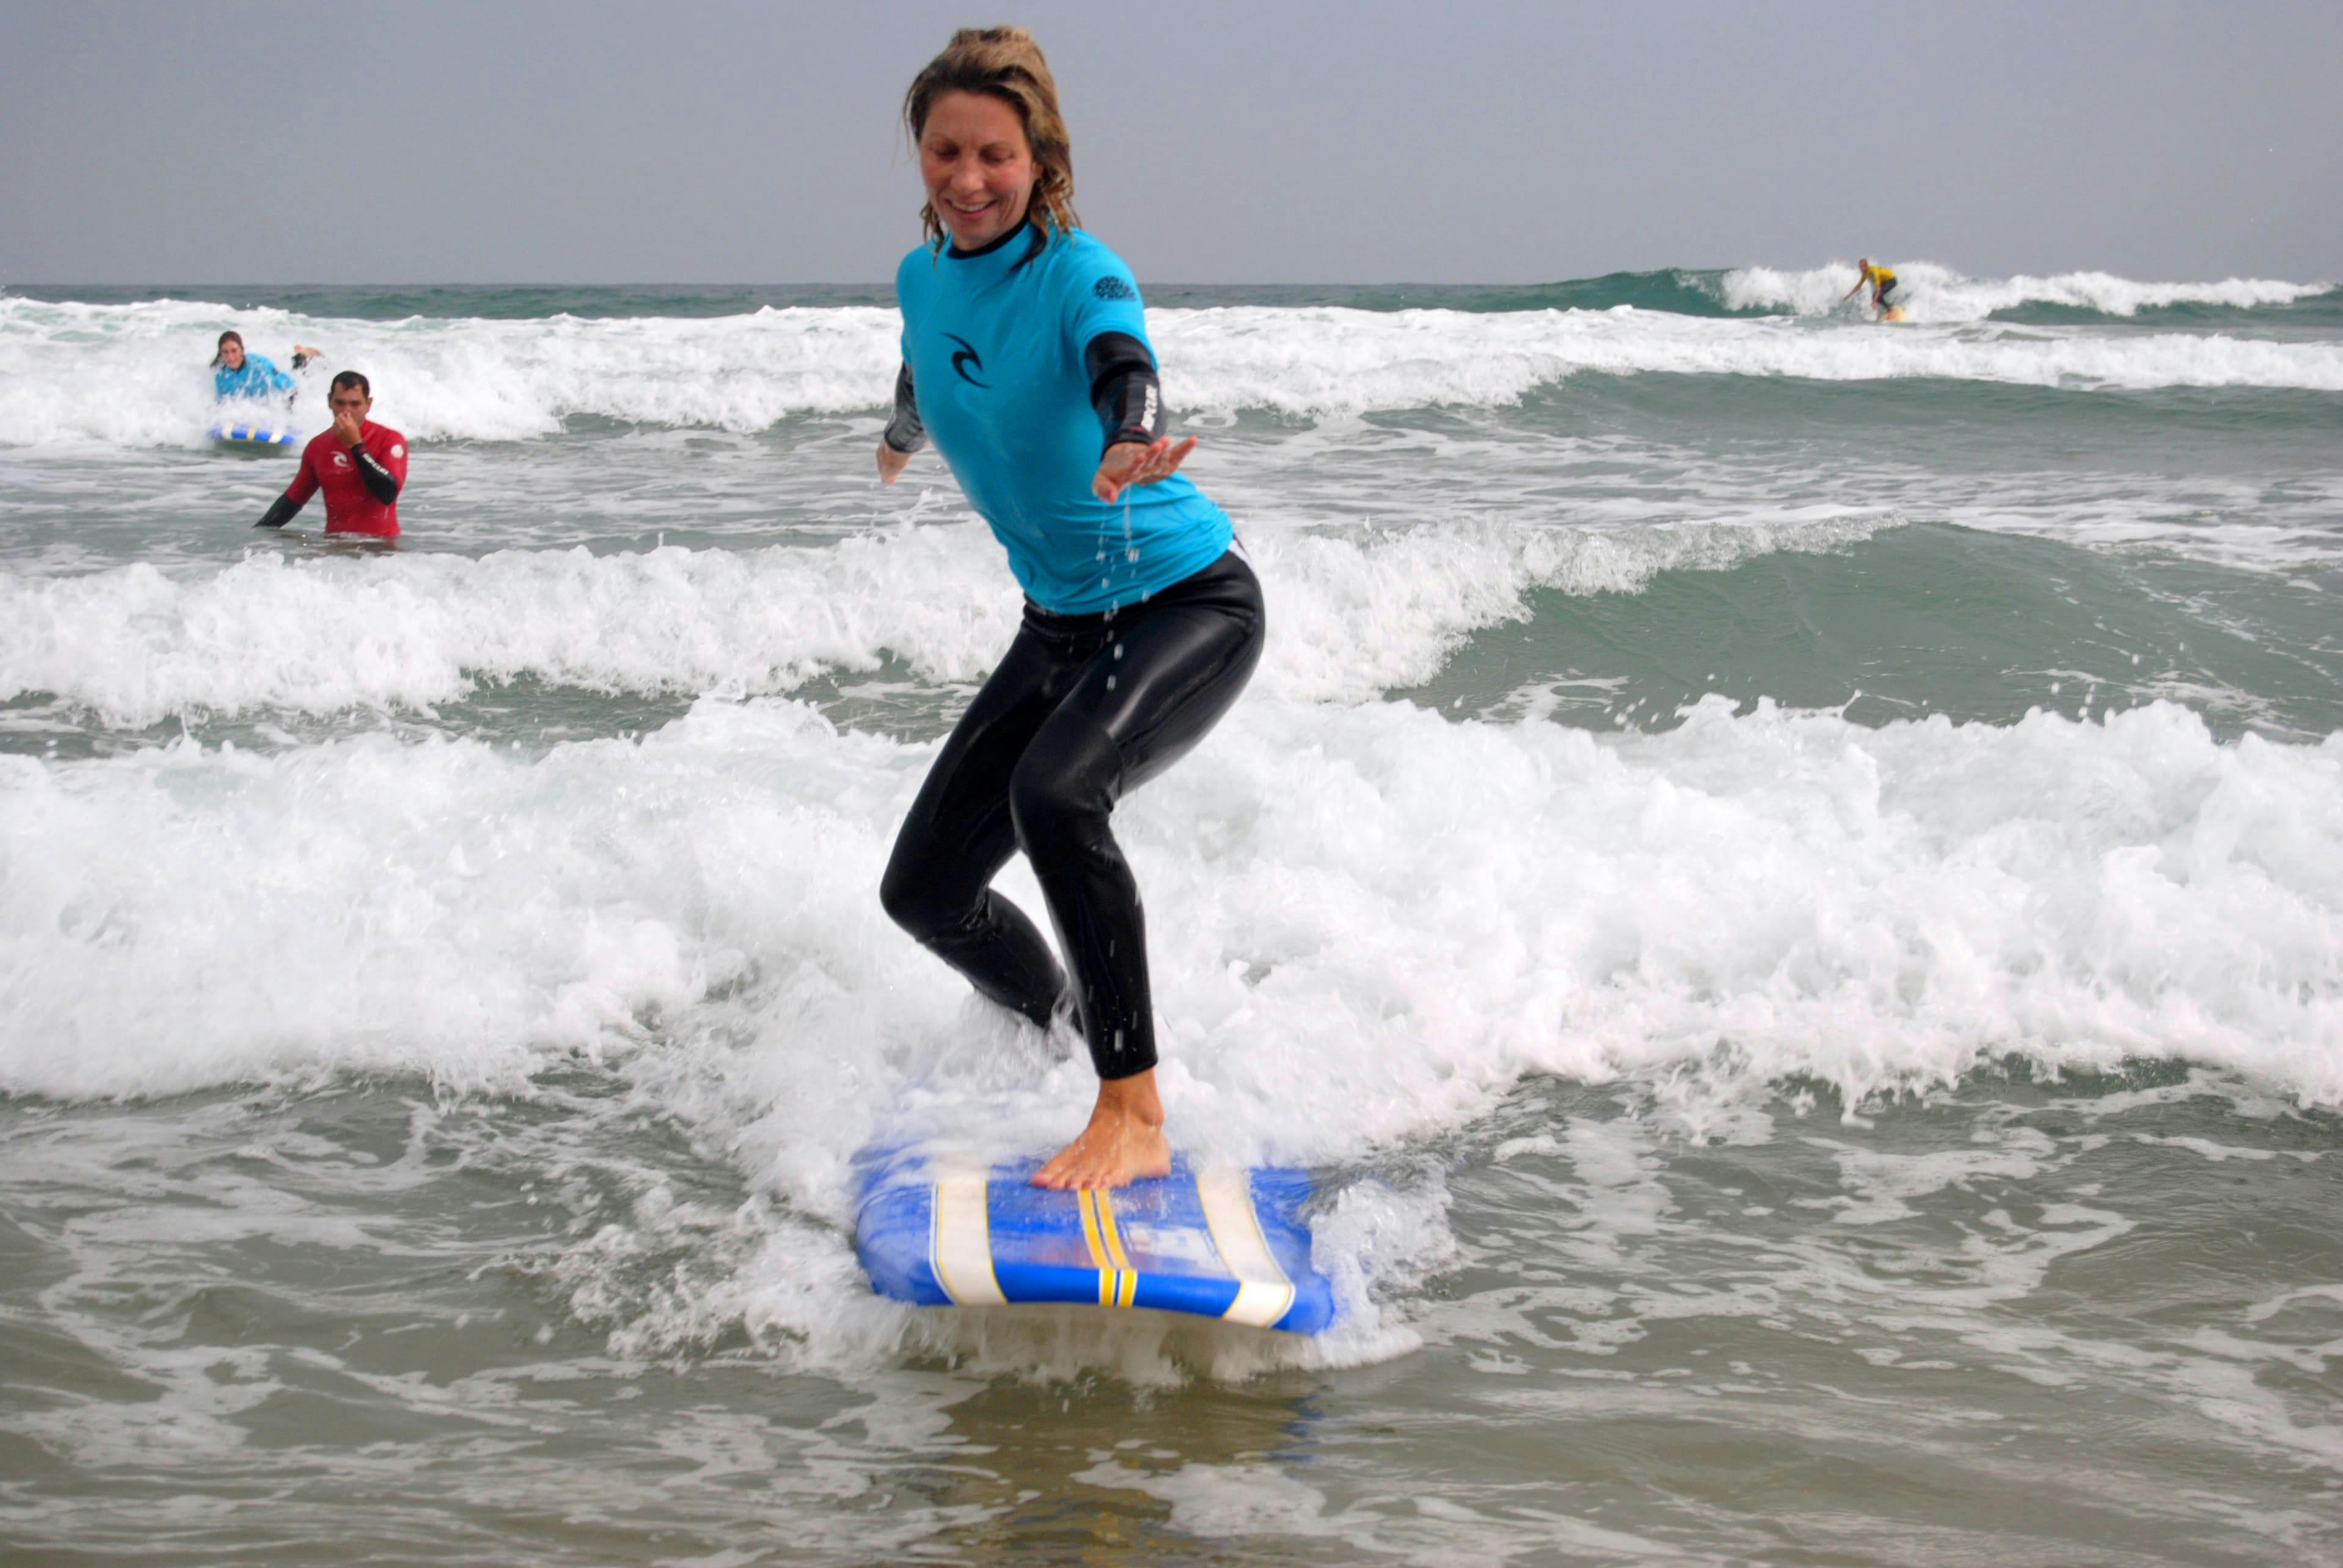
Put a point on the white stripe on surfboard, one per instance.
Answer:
(959, 1246)
(1263, 1293)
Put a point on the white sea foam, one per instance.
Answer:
(135, 374)
(1933, 293)
(1367, 921)
(77, 375)
(133, 645)
(1314, 361)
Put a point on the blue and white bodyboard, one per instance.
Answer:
(1221, 1242)
(253, 433)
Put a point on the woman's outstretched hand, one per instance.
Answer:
(891, 463)
(1127, 463)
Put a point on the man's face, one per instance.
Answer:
(349, 400)
(231, 354)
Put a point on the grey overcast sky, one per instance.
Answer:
(604, 141)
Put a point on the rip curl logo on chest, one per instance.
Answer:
(341, 459)
(1113, 287)
(964, 356)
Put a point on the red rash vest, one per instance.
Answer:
(350, 507)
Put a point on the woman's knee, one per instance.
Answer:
(917, 899)
(1043, 806)
(898, 895)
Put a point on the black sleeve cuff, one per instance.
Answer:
(1124, 390)
(379, 481)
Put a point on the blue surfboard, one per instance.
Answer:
(246, 433)
(1222, 1242)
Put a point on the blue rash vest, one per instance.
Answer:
(994, 339)
(257, 377)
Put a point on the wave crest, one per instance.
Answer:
(1935, 293)
(114, 377)
(1386, 919)
(134, 647)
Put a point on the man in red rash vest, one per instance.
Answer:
(359, 464)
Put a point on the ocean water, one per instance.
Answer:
(1783, 874)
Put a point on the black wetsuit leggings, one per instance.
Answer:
(1082, 710)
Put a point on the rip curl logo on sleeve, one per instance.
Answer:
(399, 449)
(1113, 287)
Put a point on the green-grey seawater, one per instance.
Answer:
(1783, 874)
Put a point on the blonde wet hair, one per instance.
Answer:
(1002, 63)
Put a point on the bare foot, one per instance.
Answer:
(1123, 1142)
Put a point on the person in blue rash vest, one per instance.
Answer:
(236, 374)
(1026, 359)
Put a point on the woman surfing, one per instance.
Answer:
(1026, 360)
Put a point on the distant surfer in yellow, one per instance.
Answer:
(1881, 280)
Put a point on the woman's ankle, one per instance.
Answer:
(1131, 1099)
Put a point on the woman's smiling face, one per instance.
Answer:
(978, 166)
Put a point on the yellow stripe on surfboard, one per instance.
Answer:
(1118, 1280)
